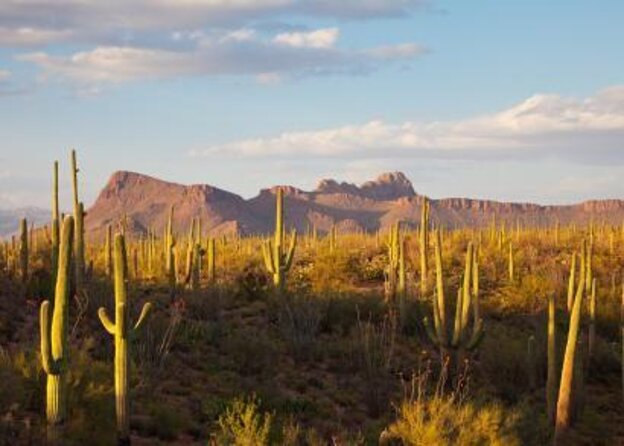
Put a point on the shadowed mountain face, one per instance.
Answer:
(145, 201)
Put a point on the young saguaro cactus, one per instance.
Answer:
(276, 259)
(54, 348)
(396, 274)
(122, 330)
(461, 339)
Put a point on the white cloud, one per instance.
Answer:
(5, 75)
(27, 36)
(320, 38)
(240, 52)
(95, 21)
(542, 124)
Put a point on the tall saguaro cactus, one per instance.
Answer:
(56, 221)
(23, 253)
(122, 330)
(54, 348)
(565, 402)
(79, 255)
(551, 378)
(424, 244)
(395, 271)
(277, 259)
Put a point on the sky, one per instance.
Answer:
(515, 100)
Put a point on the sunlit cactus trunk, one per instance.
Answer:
(56, 222)
(23, 254)
(79, 247)
(551, 379)
(54, 348)
(424, 244)
(565, 402)
(121, 330)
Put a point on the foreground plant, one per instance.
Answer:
(462, 338)
(54, 348)
(121, 330)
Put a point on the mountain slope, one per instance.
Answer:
(145, 201)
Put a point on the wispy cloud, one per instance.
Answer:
(42, 21)
(542, 125)
(238, 52)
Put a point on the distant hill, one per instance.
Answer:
(10, 219)
(145, 202)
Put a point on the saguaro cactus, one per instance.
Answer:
(511, 263)
(424, 244)
(551, 378)
(79, 254)
(23, 253)
(461, 339)
(277, 260)
(121, 330)
(571, 281)
(54, 349)
(56, 221)
(565, 402)
(212, 252)
(592, 320)
(395, 271)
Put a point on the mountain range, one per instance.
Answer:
(145, 201)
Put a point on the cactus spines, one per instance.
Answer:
(565, 401)
(121, 330)
(54, 347)
(278, 260)
(551, 377)
(424, 243)
(23, 253)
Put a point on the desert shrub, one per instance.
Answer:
(299, 319)
(373, 352)
(251, 352)
(243, 425)
(503, 361)
(253, 282)
(449, 419)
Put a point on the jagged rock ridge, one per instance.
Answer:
(145, 202)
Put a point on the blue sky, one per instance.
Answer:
(510, 100)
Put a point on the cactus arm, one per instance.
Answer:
(144, 312)
(430, 332)
(267, 255)
(441, 301)
(457, 327)
(477, 336)
(109, 325)
(49, 365)
(291, 250)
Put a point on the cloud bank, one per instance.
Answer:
(591, 129)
